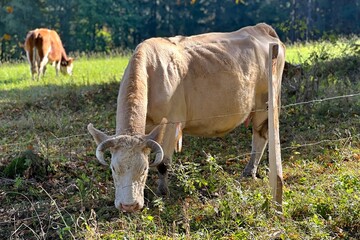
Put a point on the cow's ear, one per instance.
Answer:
(98, 135)
(70, 60)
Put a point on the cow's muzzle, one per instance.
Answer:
(129, 207)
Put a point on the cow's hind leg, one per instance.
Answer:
(43, 62)
(32, 61)
(42, 67)
(259, 142)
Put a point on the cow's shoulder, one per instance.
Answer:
(155, 44)
(156, 50)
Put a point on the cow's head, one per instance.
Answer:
(66, 66)
(129, 163)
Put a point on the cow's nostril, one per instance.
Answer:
(129, 207)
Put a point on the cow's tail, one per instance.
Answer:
(280, 64)
(30, 46)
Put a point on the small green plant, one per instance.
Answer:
(27, 165)
(85, 187)
(189, 175)
(19, 181)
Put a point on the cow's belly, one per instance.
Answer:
(216, 116)
(213, 127)
(207, 106)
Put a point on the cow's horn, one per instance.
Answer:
(119, 141)
(102, 147)
(157, 149)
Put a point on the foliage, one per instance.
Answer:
(27, 165)
(208, 198)
(327, 66)
(90, 25)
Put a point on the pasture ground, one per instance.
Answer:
(73, 199)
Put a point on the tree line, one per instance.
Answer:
(102, 26)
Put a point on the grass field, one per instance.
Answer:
(70, 195)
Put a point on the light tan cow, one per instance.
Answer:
(203, 85)
(44, 46)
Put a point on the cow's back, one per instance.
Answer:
(47, 42)
(210, 81)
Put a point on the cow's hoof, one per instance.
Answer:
(163, 191)
(250, 175)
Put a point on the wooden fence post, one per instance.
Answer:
(275, 175)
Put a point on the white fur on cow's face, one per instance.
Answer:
(129, 170)
(67, 70)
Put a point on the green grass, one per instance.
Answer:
(87, 71)
(300, 52)
(208, 199)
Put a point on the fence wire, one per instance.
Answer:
(321, 100)
(81, 145)
(85, 139)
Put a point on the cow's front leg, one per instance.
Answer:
(163, 188)
(168, 144)
(44, 70)
(57, 68)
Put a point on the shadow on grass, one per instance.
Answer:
(54, 97)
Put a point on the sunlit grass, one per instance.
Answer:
(87, 71)
(99, 70)
(208, 199)
(299, 52)
(16, 82)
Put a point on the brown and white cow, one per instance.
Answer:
(203, 85)
(44, 46)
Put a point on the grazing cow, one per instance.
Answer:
(44, 46)
(203, 85)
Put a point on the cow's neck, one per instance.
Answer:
(64, 57)
(133, 99)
